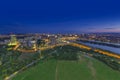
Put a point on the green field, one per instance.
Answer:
(85, 68)
(43, 71)
(0, 77)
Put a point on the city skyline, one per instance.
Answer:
(59, 16)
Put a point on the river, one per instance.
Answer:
(112, 49)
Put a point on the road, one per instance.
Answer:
(32, 51)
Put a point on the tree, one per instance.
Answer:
(40, 43)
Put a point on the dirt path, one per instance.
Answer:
(56, 72)
(80, 58)
(93, 71)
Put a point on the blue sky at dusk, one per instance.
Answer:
(59, 16)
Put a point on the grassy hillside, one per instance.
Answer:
(43, 71)
(86, 68)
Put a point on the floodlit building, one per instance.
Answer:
(13, 41)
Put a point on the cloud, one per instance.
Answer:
(91, 28)
(109, 28)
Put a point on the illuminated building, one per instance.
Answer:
(33, 42)
(13, 41)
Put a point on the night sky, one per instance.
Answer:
(59, 16)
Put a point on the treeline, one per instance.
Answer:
(110, 61)
(12, 61)
(70, 53)
(66, 53)
(63, 52)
